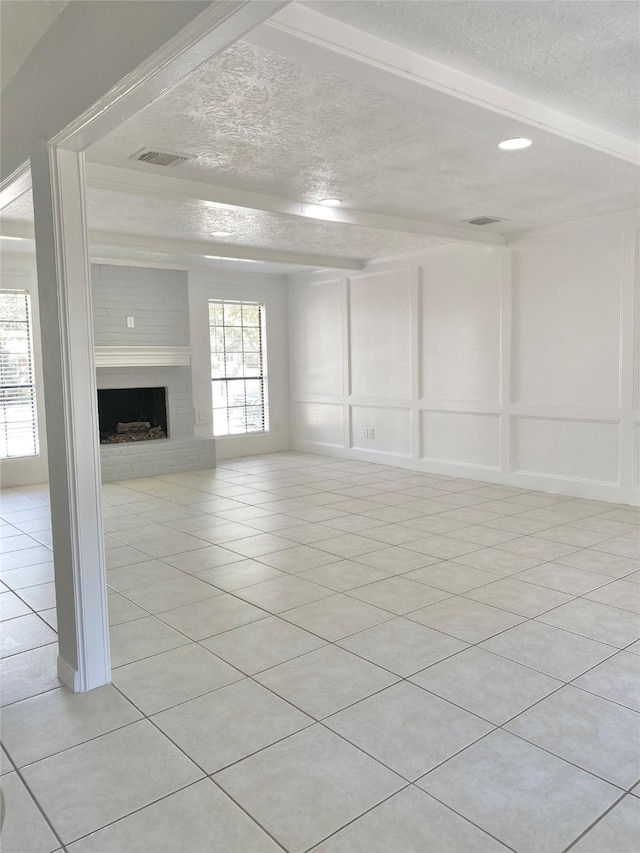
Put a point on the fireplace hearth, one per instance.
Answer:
(132, 414)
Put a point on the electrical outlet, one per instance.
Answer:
(130, 323)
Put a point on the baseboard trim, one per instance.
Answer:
(68, 675)
(586, 489)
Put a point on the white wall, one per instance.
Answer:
(515, 365)
(92, 47)
(157, 299)
(18, 272)
(272, 291)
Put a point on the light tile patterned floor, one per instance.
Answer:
(313, 653)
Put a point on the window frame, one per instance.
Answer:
(32, 385)
(261, 377)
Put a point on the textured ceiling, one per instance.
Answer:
(257, 121)
(578, 56)
(141, 256)
(106, 253)
(22, 25)
(20, 210)
(174, 220)
(254, 120)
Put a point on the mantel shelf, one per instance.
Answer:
(142, 356)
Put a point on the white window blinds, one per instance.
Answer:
(238, 367)
(18, 417)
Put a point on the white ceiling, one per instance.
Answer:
(577, 57)
(257, 121)
(22, 25)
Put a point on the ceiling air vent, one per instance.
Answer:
(159, 158)
(484, 220)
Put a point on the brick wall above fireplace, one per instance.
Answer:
(158, 301)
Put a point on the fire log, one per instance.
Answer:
(133, 426)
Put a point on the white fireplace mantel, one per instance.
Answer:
(142, 356)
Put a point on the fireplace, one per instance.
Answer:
(132, 414)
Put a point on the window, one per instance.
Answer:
(238, 367)
(18, 418)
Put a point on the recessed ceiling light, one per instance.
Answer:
(223, 258)
(331, 202)
(514, 144)
(221, 233)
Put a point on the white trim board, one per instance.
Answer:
(588, 489)
(142, 356)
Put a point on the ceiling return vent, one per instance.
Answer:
(483, 220)
(159, 158)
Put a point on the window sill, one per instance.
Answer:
(241, 435)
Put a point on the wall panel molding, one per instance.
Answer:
(480, 407)
(581, 288)
(467, 438)
(381, 402)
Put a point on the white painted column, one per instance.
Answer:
(345, 292)
(417, 277)
(506, 363)
(71, 416)
(629, 397)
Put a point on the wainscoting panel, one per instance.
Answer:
(517, 365)
(321, 423)
(461, 325)
(567, 309)
(380, 334)
(317, 368)
(577, 450)
(392, 429)
(473, 439)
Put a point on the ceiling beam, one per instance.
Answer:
(152, 182)
(309, 37)
(202, 248)
(20, 184)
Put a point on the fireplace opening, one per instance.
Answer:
(132, 414)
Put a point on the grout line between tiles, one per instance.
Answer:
(206, 775)
(38, 806)
(592, 825)
(338, 532)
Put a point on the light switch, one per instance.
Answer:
(130, 323)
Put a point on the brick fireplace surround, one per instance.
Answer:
(156, 352)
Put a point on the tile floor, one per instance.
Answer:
(318, 654)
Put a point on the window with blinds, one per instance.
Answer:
(238, 367)
(18, 417)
